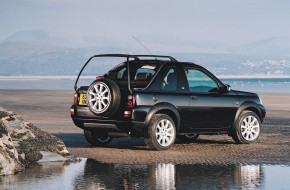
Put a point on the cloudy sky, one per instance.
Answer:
(220, 21)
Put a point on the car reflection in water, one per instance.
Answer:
(97, 175)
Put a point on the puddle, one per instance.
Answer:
(90, 174)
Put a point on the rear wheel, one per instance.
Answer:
(161, 132)
(97, 139)
(188, 138)
(247, 129)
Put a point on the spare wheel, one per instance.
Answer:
(103, 97)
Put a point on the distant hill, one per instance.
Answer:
(232, 64)
(38, 52)
(275, 47)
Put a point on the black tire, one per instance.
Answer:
(241, 126)
(188, 138)
(151, 135)
(113, 95)
(97, 139)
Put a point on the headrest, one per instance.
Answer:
(171, 78)
(143, 76)
(125, 76)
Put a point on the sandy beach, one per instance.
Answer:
(49, 110)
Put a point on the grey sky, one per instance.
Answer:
(224, 21)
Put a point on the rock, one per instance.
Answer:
(9, 162)
(22, 143)
(2, 109)
(51, 157)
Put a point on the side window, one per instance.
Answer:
(198, 81)
(121, 73)
(149, 69)
(169, 82)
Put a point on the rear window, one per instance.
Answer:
(97, 67)
(146, 69)
(135, 69)
(140, 74)
(115, 68)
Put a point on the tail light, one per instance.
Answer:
(131, 102)
(99, 77)
(72, 111)
(127, 114)
(75, 99)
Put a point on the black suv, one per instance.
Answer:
(161, 99)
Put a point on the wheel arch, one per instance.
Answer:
(250, 106)
(164, 108)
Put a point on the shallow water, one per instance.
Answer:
(90, 174)
(258, 85)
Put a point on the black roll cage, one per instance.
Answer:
(128, 56)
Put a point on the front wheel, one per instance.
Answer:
(97, 139)
(161, 132)
(247, 129)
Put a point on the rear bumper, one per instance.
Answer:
(85, 119)
(109, 125)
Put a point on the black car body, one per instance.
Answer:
(185, 95)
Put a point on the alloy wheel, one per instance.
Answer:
(250, 128)
(99, 97)
(165, 132)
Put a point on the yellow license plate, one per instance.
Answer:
(83, 99)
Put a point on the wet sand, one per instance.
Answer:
(49, 110)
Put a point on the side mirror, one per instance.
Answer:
(214, 91)
(228, 87)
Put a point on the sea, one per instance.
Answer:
(258, 85)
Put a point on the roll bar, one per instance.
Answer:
(128, 56)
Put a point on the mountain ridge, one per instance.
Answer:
(37, 52)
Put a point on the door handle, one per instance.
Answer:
(154, 98)
(194, 97)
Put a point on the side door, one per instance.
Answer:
(211, 108)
